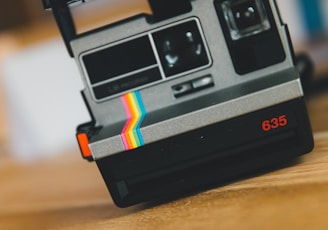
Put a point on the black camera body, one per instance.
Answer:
(193, 96)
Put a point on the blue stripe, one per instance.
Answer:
(143, 114)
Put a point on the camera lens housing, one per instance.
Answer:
(245, 17)
(181, 48)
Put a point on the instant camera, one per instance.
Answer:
(190, 97)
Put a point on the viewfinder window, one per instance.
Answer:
(245, 17)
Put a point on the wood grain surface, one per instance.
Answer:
(68, 193)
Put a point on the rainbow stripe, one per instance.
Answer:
(135, 110)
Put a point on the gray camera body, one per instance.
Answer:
(198, 94)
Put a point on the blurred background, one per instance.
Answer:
(40, 85)
(40, 102)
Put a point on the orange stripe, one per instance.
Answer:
(128, 124)
(84, 145)
(136, 116)
(129, 129)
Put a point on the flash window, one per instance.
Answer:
(245, 17)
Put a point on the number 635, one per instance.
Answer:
(274, 123)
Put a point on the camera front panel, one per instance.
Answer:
(147, 82)
(176, 61)
(149, 58)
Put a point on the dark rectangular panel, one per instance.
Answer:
(258, 49)
(119, 59)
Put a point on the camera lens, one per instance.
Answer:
(180, 48)
(245, 17)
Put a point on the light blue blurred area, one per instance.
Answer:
(313, 12)
(307, 19)
(43, 102)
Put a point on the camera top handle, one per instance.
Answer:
(162, 9)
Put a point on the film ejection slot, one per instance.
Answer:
(193, 86)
